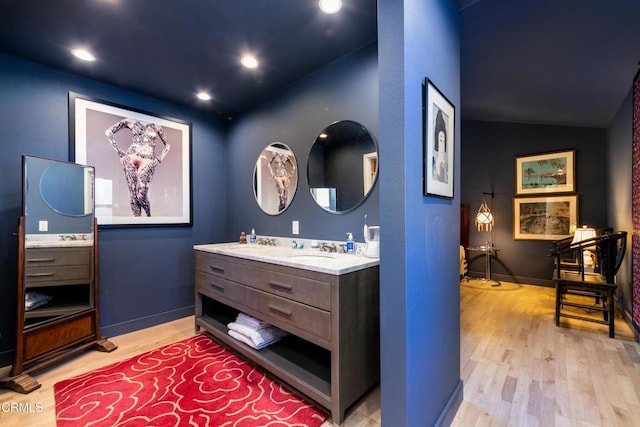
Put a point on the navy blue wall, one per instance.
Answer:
(419, 259)
(146, 274)
(488, 162)
(346, 89)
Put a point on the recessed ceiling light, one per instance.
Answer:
(83, 54)
(330, 6)
(203, 96)
(249, 61)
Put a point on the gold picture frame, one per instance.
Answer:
(544, 218)
(544, 173)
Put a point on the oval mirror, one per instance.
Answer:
(67, 188)
(342, 166)
(275, 178)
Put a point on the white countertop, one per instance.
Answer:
(58, 240)
(307, 259)
(57, 243)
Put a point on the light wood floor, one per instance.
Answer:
(518, 368)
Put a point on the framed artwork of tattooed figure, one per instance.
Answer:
(142, 163)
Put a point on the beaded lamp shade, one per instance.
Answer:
(484, 217)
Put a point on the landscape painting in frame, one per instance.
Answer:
(438, 142)
(142, 163)
(544, 218)
(546, 173)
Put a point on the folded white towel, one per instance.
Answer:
(251, 321)
(242, 338)
(258, 337)
(245, 339)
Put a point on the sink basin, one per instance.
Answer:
(248, 246)
(306, 256)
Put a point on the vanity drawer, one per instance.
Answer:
(69, 273)
(57, 256)
(218, 288)
(310, 319)
(219, 265)
(308, 291)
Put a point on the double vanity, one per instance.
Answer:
(327, 302)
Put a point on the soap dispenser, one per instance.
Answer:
(349, 243)
(252, 238)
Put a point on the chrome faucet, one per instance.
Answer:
(326, 247)
(266, 241)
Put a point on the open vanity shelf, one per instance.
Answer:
(332, 352)
(303, 360)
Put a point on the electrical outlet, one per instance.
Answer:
(295, 227)
(43, 225)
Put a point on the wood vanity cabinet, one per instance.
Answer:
(332, 354)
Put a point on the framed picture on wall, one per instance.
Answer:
(142, 163)
(438, 142)
(544, 218)
(546, 173)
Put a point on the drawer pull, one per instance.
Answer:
(280, 310)
(41, 260)
(282, 286)
(40, 274)
(216, 268)
(217, 287)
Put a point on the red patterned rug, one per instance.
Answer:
(194, 382)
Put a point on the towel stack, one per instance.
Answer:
(254, 332)
(33, 300)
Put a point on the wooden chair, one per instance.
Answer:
(600, 284)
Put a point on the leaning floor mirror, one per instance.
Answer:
(57, 271)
